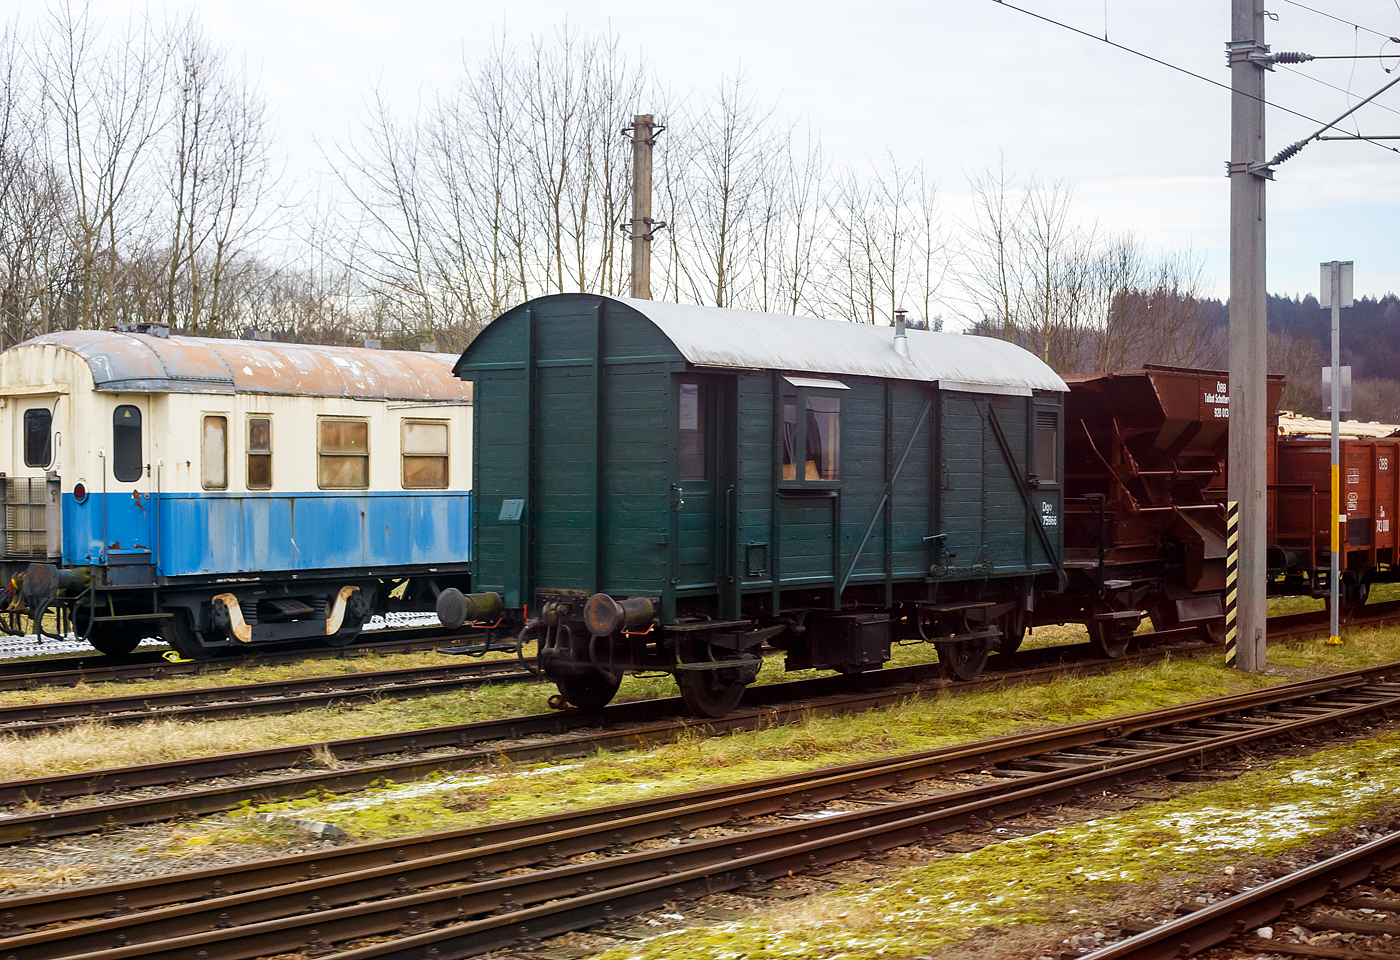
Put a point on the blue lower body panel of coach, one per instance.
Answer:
(202, 534)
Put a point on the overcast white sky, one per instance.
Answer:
(953, 83)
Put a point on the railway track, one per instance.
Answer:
(149, 664)
(462, 746)
(263, 699)
(552, 735)
(470, 891)
(287, 696)
(1348, 884)
(1305, 626)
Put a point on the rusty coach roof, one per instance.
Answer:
(138, 363)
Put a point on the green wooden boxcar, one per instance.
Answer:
(664, 486)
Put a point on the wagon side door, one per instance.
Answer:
(695, 490)
(958, 544)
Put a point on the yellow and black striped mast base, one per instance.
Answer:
(1232, 587)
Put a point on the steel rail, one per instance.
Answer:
(305, 915)
(633, 725)
(1212, 925)
(60, 671)
(645, 819)
(261, 699)
(64, 822)
(144, 664)
(1301, 626)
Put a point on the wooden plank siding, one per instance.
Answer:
(577, 413)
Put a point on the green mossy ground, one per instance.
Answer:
(508, 791)
(1040, 879)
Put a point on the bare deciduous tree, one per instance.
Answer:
(105, 102)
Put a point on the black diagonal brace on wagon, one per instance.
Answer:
(885, 498)
(1025, 491)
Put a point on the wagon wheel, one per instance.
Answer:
(112, 639)
(589, 692)
(713, 693)
(1013, 631)
(1212, 631)
(356, 616)
(179, 632)
(706, 693)
(1354, 594)
(1110, 638)
(114, 642)
(964, 659)
(1162, 611)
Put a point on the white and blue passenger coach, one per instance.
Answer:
(227, 493)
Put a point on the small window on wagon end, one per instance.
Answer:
(1047, 446)
(259, 453)
(342, 454)
(38, 437)
(126, 443)
(425, 454)
(213, 449)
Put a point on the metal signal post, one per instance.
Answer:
(1336, 293)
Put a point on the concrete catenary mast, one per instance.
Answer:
(643, 131)
(1248, 484)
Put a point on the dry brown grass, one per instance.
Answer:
(236, 674)
(92, 746)
(11, 880)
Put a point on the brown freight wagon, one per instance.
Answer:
(1145, 456)
(1300, 542)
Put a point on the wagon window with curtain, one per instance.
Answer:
(425, 454)
(811, 432)
(823, 460)
(214, 453)
(342, 454)
(38, 438)
(126, 443)
(259, 453)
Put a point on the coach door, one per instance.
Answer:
(694, 491)
(129, 509)
(703, 487)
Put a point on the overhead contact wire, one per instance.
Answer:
(1329, 16)
(1215, 83)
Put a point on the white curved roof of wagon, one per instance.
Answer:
(137, 363)
(746, 339)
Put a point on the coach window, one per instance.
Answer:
(823, 438)
(38, 437)
(214, 453)
(126, 443)
(342, 454)
(812, 432)
(424, 444)
(692, 432)
(259, 453)
(1047, 447)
